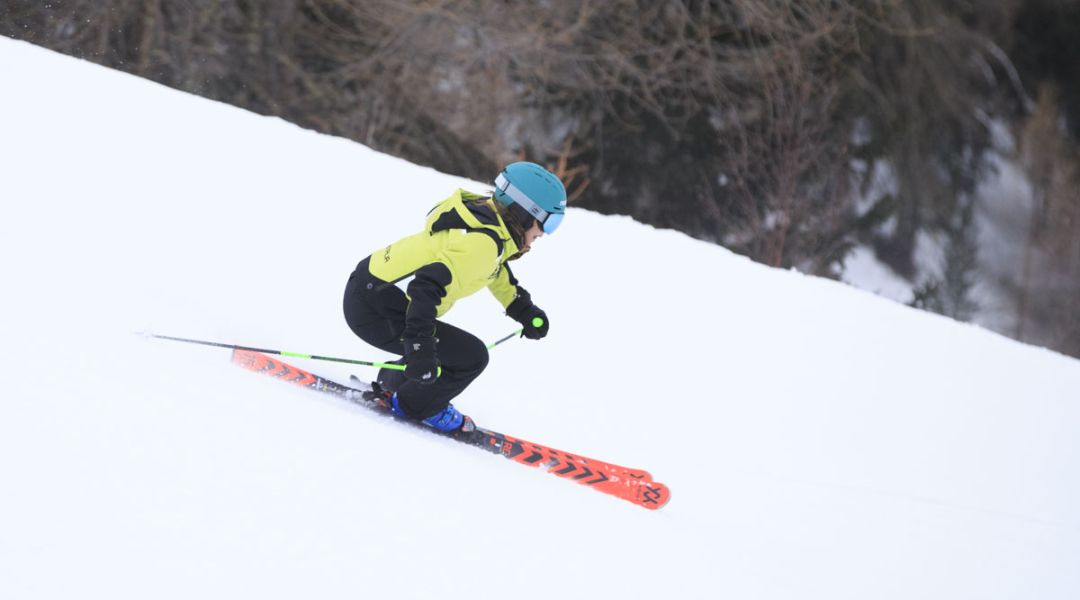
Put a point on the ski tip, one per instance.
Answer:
(654, 496)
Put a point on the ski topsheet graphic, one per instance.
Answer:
(633, 485)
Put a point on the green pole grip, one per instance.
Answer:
(396, 367)
(389, 366)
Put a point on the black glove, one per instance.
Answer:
(421, 360)
(533, 320)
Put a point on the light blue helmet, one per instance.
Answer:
(535, 189)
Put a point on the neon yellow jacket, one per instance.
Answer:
(463, 248)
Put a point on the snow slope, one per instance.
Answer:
(820, 442)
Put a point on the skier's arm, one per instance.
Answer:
(534, 322)
(465, 258)
(425, 291)
(505, 286)
(519, 305)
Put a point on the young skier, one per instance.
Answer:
(467, 243)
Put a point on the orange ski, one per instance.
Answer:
(633, 485)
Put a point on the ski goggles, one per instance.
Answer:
(549, 222)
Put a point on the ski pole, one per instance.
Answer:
(350, 361)
(536, 322)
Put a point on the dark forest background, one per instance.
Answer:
(757, 124)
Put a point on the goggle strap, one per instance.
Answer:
(520, 198)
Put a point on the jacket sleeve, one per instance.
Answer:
(463, 258)
(425, 291)
(505, 286)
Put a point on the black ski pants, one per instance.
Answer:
(375, 312)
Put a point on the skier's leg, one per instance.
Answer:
(462, 356)
(375, 312)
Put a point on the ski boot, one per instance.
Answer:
(447, 420)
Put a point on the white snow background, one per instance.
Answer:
(820, 442)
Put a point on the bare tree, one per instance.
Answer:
(1049, 282)
(737, 121)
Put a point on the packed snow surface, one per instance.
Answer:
(820, 442)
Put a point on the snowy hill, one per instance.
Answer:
(820, 442)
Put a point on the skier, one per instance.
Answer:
(467, 243)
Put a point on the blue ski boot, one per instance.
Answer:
(447, 420)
